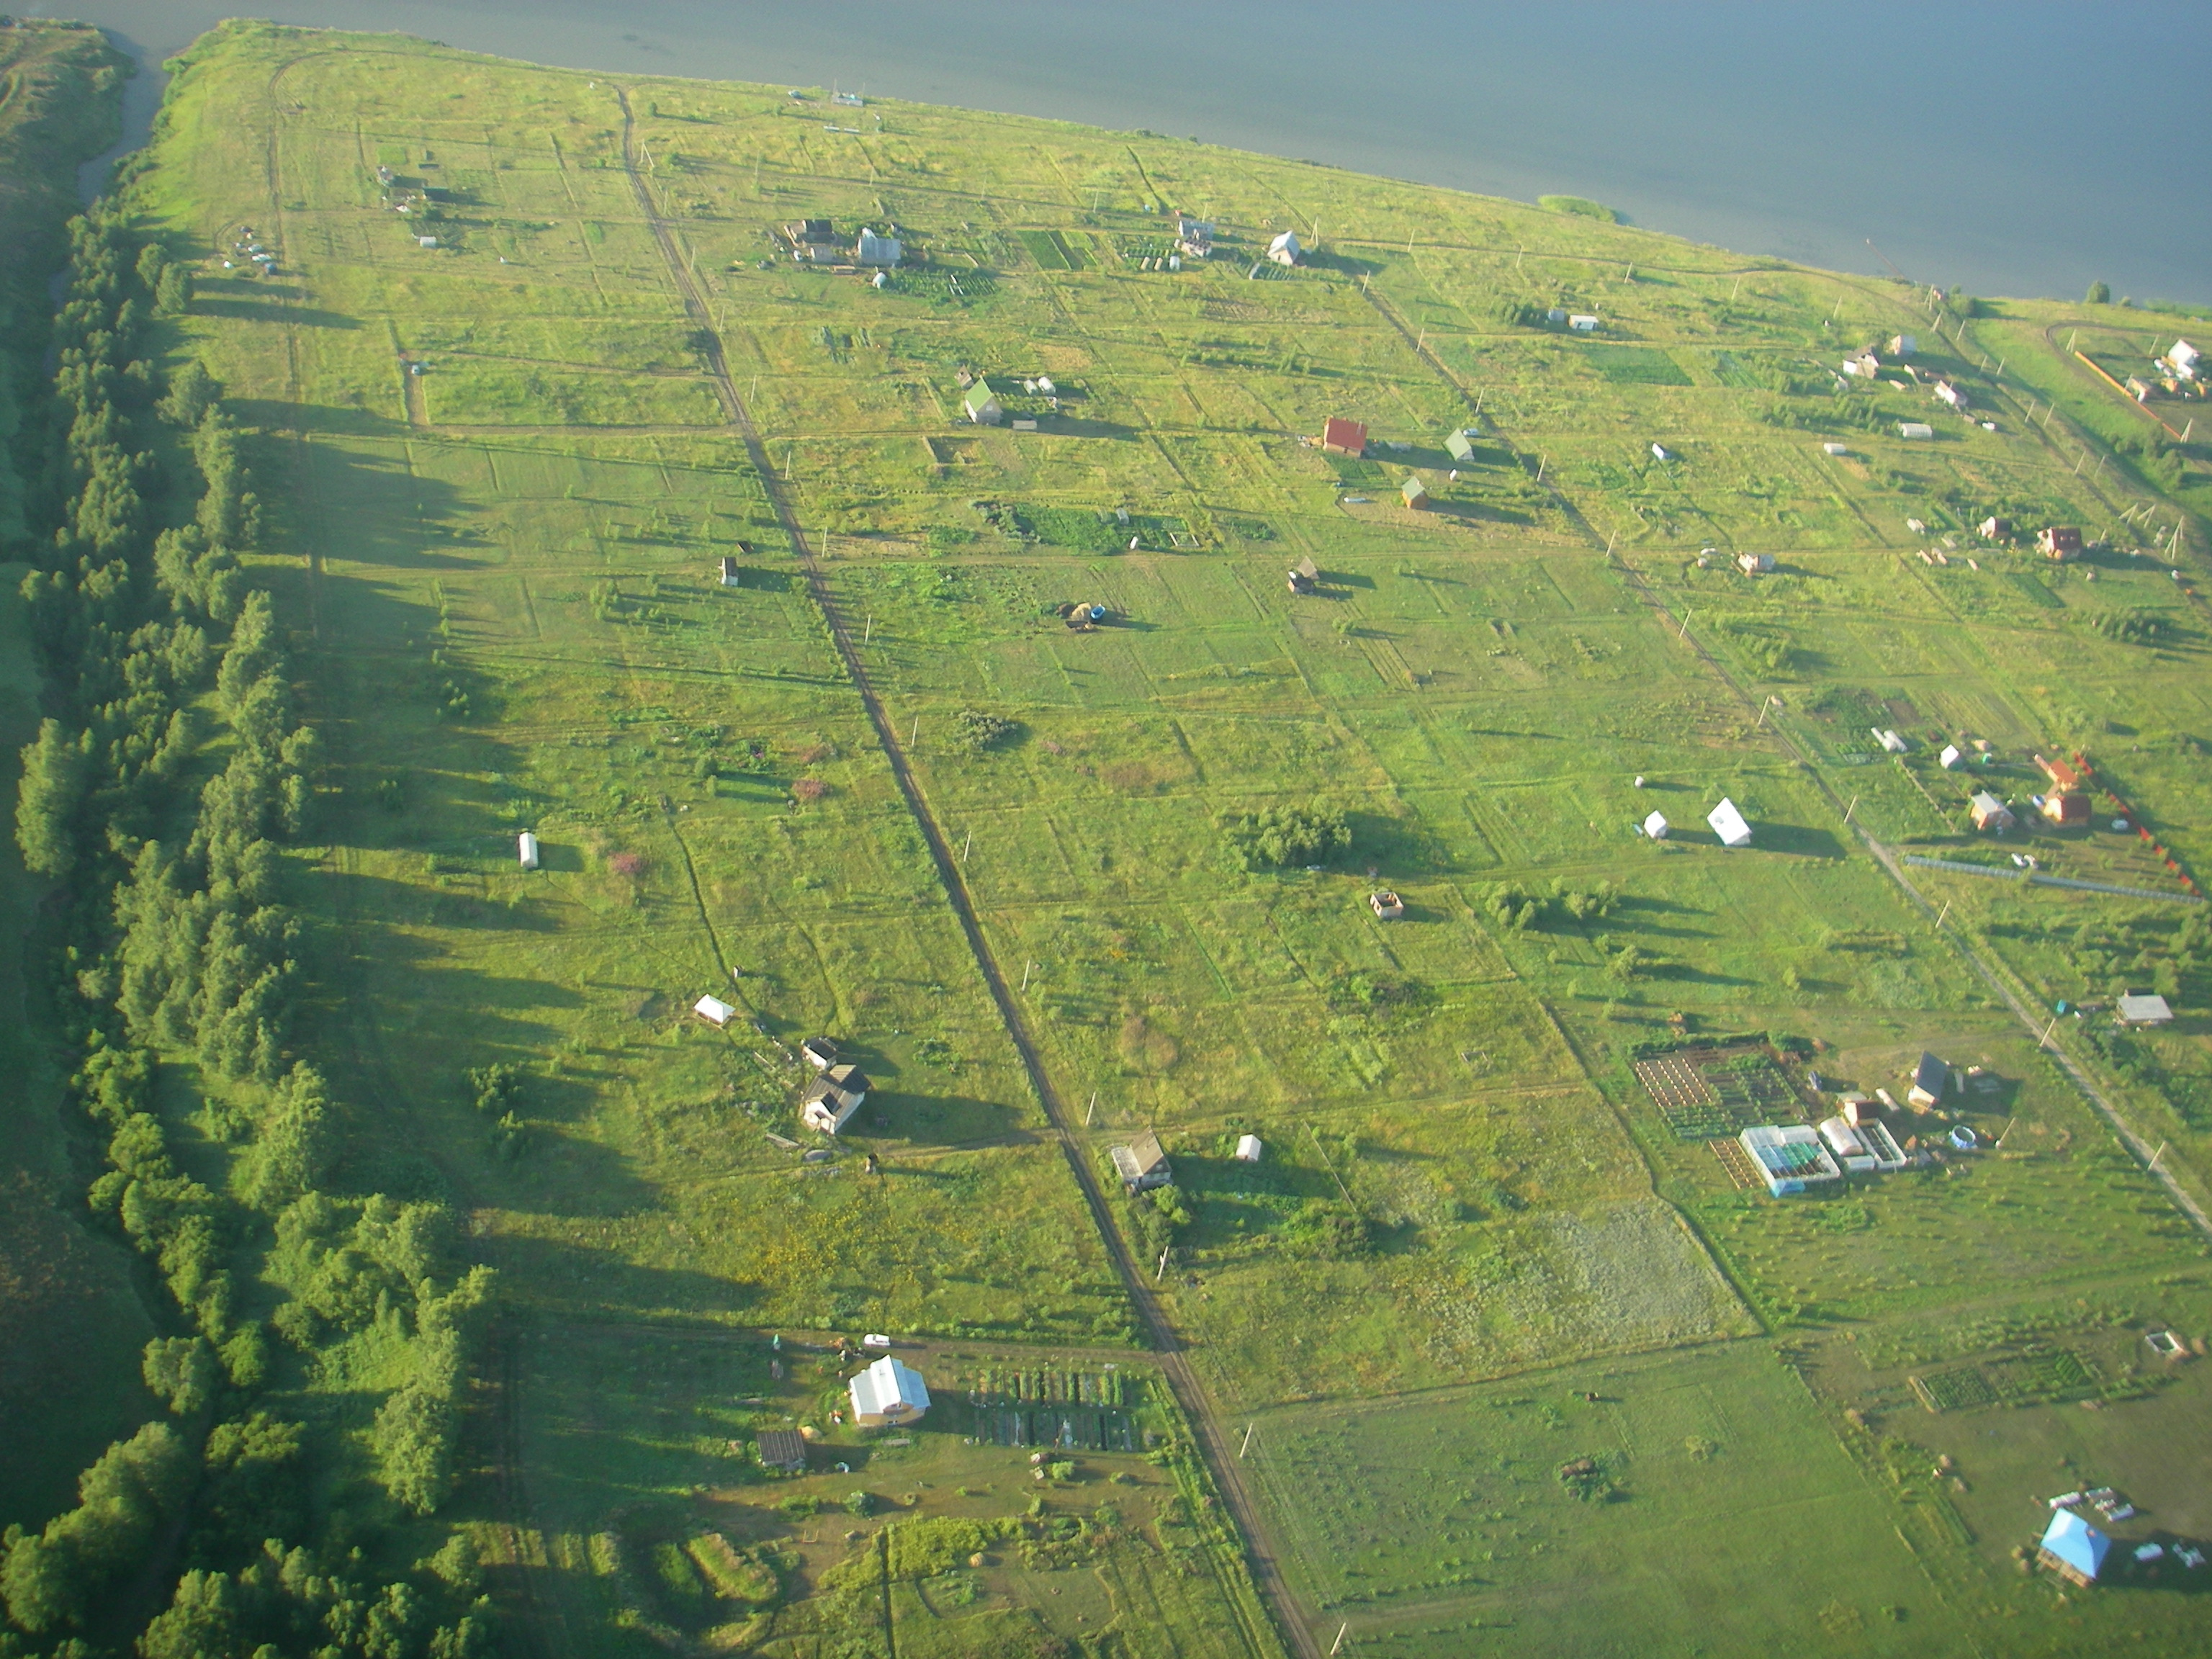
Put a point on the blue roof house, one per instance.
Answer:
(2073, 1548)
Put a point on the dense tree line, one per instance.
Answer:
(158, 798)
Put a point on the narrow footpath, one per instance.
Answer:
(1174, 1361)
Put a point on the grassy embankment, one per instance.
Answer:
(501, 568)
(70, 1323)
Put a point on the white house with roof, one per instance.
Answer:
(887, 1394)
(874, 250)
(713, 1010)
(2184, 356)
(1655, 826)
(1284, 249)
(1729, 824)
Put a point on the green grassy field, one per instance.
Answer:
(501, 577)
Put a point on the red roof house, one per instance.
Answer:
(1343, 437)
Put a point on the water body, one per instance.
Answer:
(2011, 146)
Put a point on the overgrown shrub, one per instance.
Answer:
(980, 731)
(1284, 836)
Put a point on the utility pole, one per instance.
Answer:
(1939, 914)
(1026, 974)
(869, 632)
(1247, 1446)
(1852, 808)
(1091, 1112)
(1162, 1268)
(2154, 1160)
(965, 845)
(1338, 1642)
(1684, 633)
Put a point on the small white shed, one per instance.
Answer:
(426, 241)
(1655, 826)
(1583, 325)
(1915, 429)
(525, 850)
(1951, 756)
(715, 1011)
(1835, 449)
(1284, 249)
(1658, 453)
(1892, 744)
(1729, 824)
(1248, 1149)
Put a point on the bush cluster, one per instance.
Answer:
(981, 731)
(1282, 837)
(1513, 906)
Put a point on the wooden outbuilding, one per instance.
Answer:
(1415, 495)
(2059, 542)
(781, 1449)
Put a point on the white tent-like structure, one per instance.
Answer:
(1729, 824)
(1284, 249)
(888, 1392)
(1655, 826)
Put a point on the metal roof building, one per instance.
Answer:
(887, 1393)
(2074, 1548)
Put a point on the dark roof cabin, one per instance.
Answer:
(1304, 576)
(1931, 1078)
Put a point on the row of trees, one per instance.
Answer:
(160, 798)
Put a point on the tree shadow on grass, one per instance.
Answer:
(1404, 849)
(1479, 512)
(1797, 841)
(563, 1275)
(941, 1121)
(272, 309)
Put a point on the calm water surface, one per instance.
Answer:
(2017, 147)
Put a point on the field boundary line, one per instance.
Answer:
(1174, 1364)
